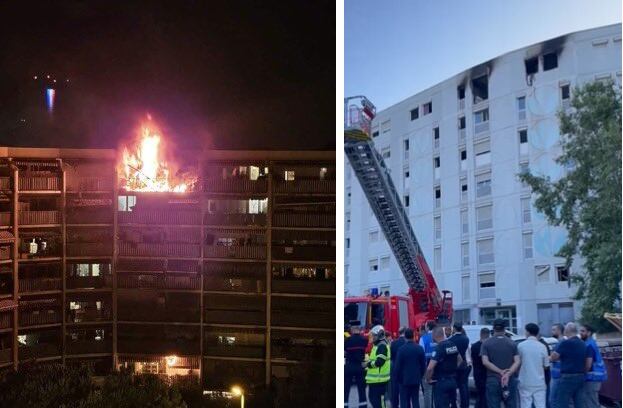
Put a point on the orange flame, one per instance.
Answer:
(144, 170)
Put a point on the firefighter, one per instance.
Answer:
(354, 353)
(378, 368)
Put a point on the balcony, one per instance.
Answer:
(159, 347)
(237, 252)
(89, 315)
(309, 220)
(86, 215)
(306, 186)
(159, 282)
(300, 286)
(235, 309)
(5, 219)
(303, 312)
(304, 253)
(5, 183)
(88, 346)
(226, 342)
(39, 217)
(150, 312)
(235, 219)
(39, 183)
(39, 284)
(89, 282)
(6, 355)
(237, 185)
(36, 318)
(6, 320)
(85, 184)
(5, 253)
(39, 351)
(89, 248)
(168, 217)
(160, 250)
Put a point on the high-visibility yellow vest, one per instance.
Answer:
(378, 374)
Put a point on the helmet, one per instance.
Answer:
(378, 332)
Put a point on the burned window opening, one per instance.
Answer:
(550, 61)
(415, 113)
(480, 89)
(461, 92)
(532, 65)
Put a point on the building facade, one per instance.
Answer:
(455, 151)
(233, 282)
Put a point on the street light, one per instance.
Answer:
(236, 390)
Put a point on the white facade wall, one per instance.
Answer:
(582, 56)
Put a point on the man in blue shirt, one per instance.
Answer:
(596, 370)
(428, 344)
(572, 354)
(409, 370)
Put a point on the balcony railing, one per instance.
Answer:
(39, 217)
(6, 321)
(306, 186)
(304, 220)
(39, 351)
(5, 219)
(238, 252)
(159, 346)
(311, 287)
(95, 282)
(39, 183)
(303, 253)
(36, 319)
(89, 249)
(173, 217)
(251, 317)
(88, 346)
(241, 185)
(5, 183)
(151, 313)
(160, 250)
(39, 284)
(6, 355)
(5, 253)
(89, 184)
(158, 282)
(245, 351)
(96, 215)
(89, 315)
(235, 219)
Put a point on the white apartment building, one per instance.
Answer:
(454, 151)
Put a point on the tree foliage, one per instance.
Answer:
(587, 200)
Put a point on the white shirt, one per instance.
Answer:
(533, 360)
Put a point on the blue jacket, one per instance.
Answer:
(598, 369)
(410, 364)
(426, 341)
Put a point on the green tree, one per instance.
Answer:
(587, 200)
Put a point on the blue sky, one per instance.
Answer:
(396, 48)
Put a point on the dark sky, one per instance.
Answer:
(227, 74)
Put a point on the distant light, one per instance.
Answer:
(236, 390)
(55, 81)
(171, 360)
(47, 76)
(50, 94)
(35, 77)
(67, 80)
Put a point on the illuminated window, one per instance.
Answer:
(126, 203)
(254, 172)
(289, 175)
(323, 173)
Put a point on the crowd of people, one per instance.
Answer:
(439, 364)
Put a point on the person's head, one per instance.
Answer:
(532, 330)
(355, 327)
(485, 333)
(377, 333)
(447, 331)
(557, 330)
(439, 334)
(586, 331)
(499, 326)
(430, 325)
(571, 329)
(457, 327)
(409, 334)
(401, 331)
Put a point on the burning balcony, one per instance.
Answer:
(159, 339)
(241, 244)
(91, 340)
(234, 277)
(89, 307)
(154, 306)
(303, 279)
(303, 312)
(169, 368)
(235, 309)
(88, 275)
(229, 342)
(235, 178)
(38, 344)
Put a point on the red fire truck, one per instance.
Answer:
(424, 300)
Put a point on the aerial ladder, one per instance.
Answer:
(424, 301)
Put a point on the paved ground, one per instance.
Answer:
(353, 401)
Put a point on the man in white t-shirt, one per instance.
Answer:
(534, 359)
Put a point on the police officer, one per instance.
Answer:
(354, 353)
(427, 343)
(378, 367)
(442, 369)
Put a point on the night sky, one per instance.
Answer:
(249, 76)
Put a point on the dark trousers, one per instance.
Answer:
(494, 393)
(376, 394)
(409, 396)
(394, 390)
(462, 378)
(354, 374)
(480, 381)
(569, 388)
(444, 391)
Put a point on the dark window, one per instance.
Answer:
(462, 122)
(415, 113)
(427, 108)
(550, 61)
(564, 91)
(437, 162)
(347, 242)
(406, 144)
(480, 88)
(375, 133)
(436, 133)
(464, 187)
(532, 66)
(563, 273)
(406, 201)
(463, 154)
(461, 92)
(406, 173)
(437, 193)
(523, 136)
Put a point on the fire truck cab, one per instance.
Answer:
(390, 311)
